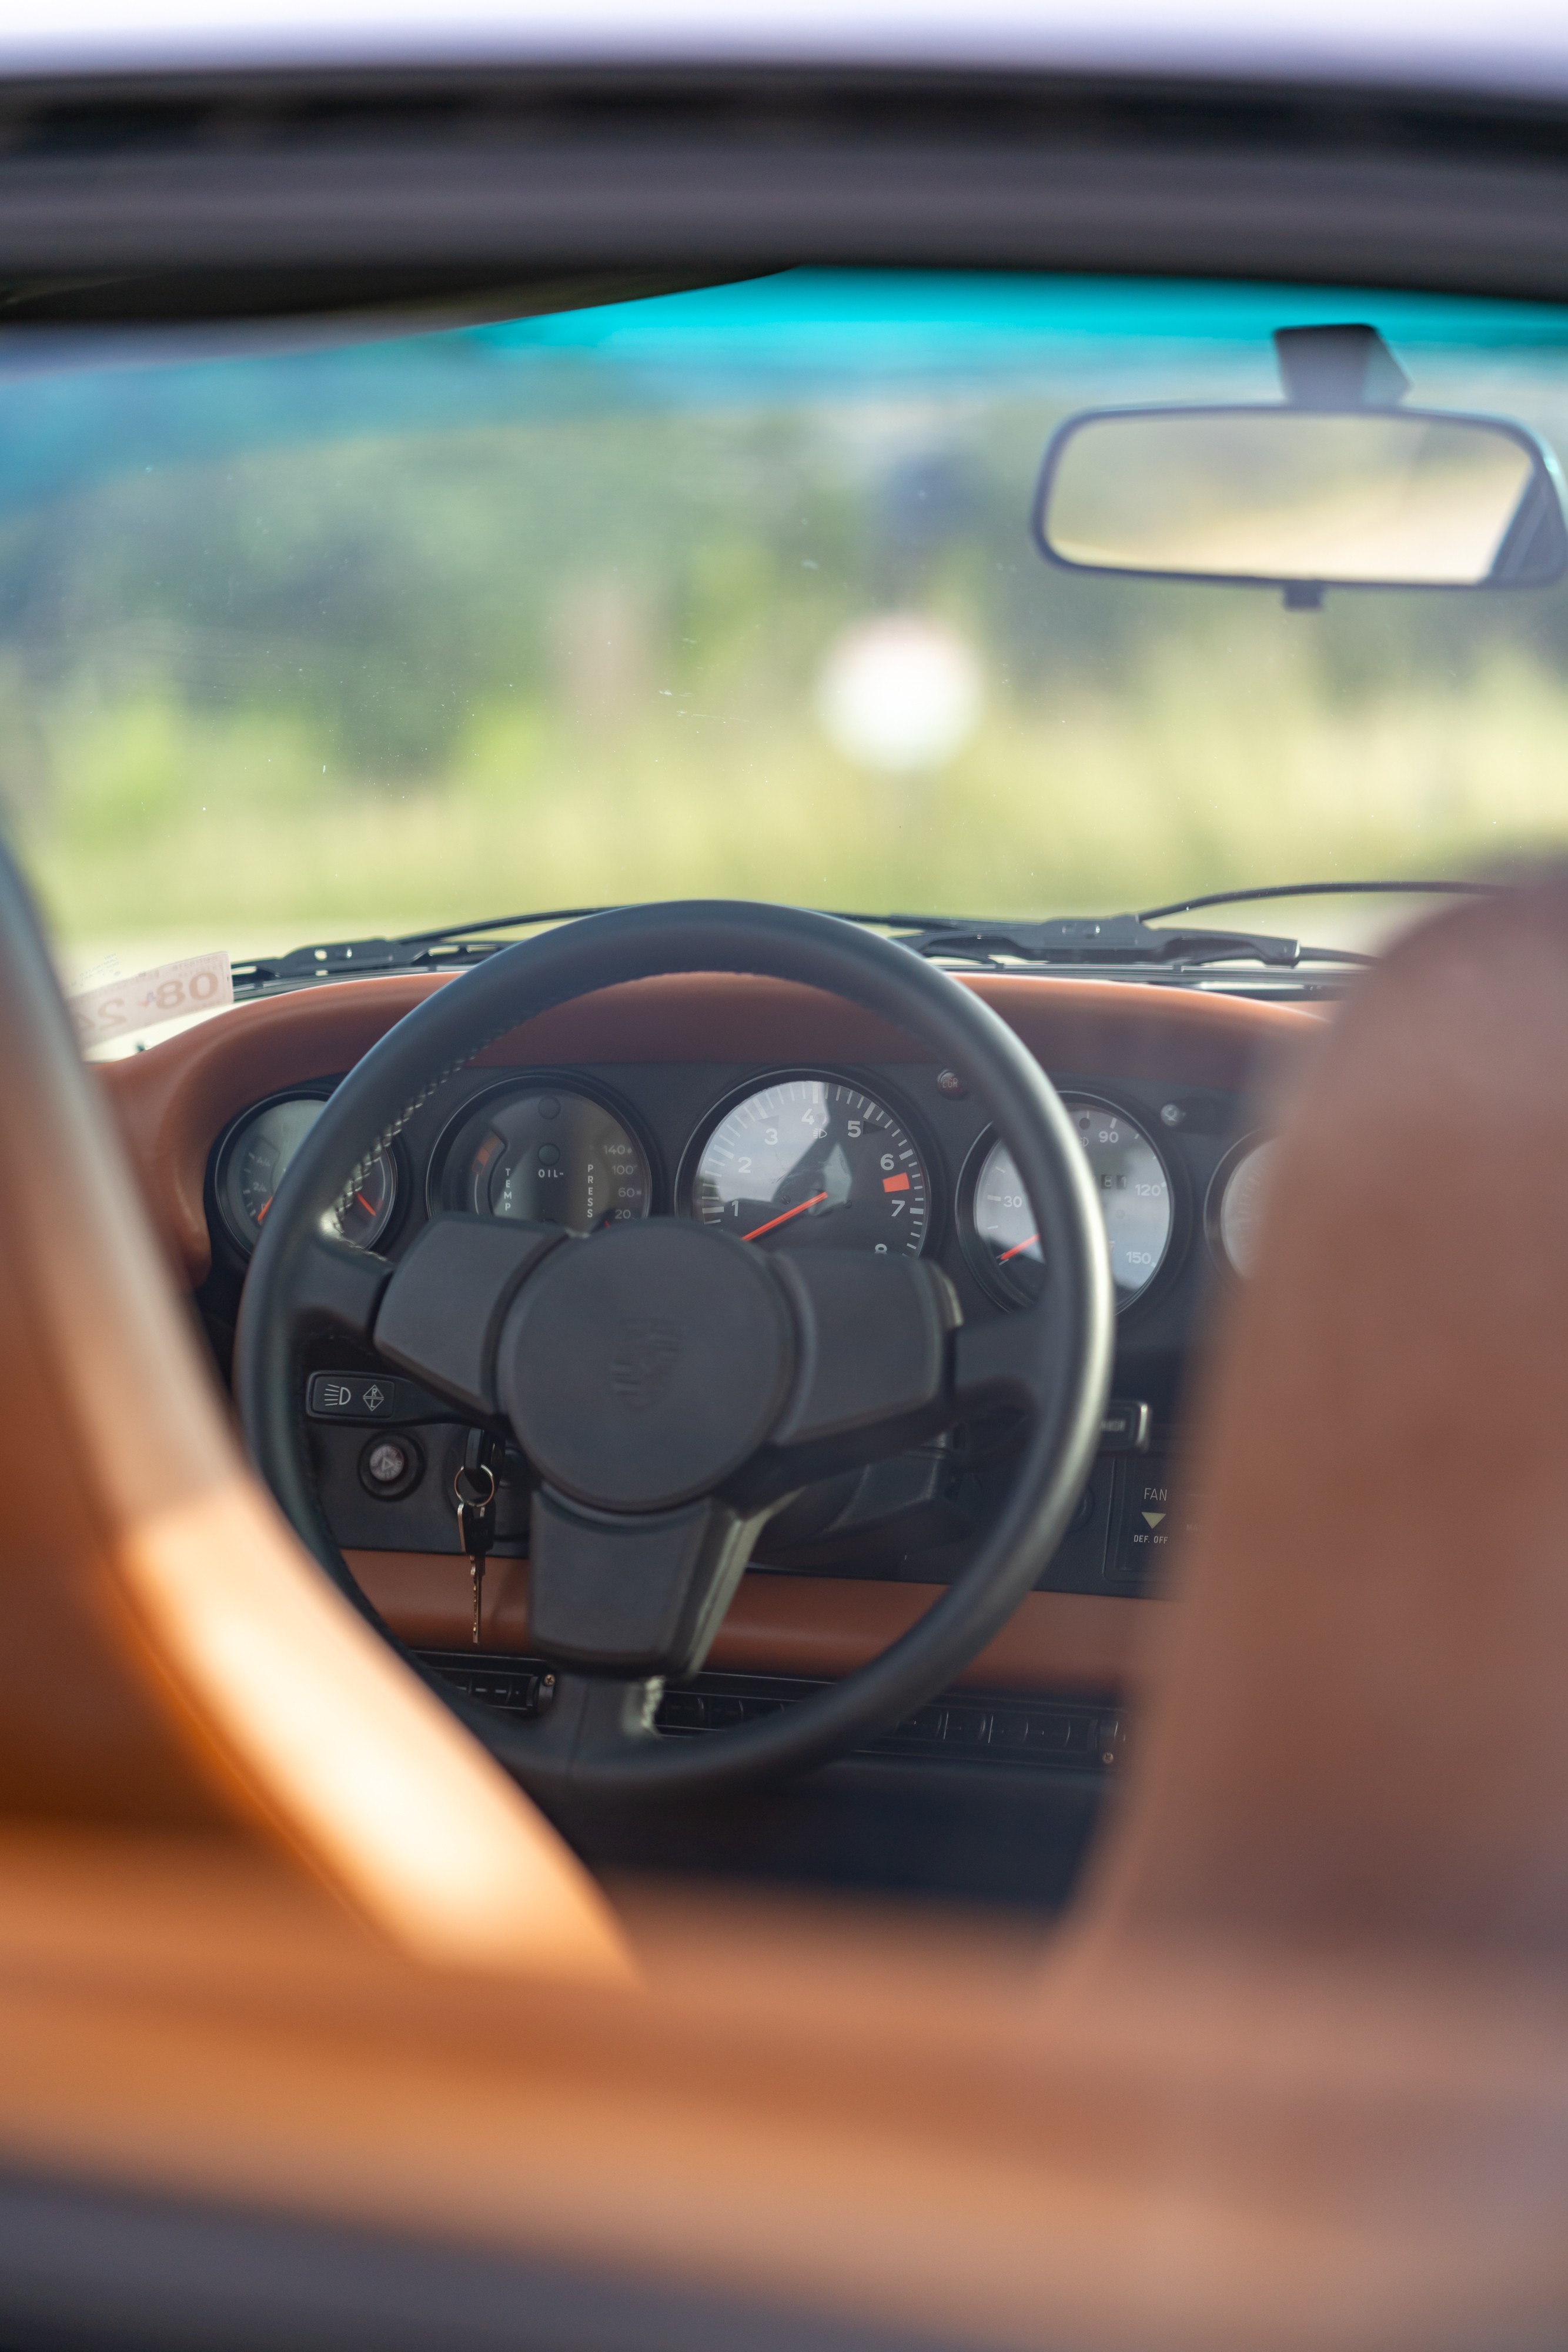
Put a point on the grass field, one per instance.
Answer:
(165, 826)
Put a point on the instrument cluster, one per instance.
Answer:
(792, 1159)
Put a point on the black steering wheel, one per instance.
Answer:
(672, 1388)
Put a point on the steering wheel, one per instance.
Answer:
(672, 1387)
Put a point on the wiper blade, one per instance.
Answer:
(1403, 889)
(1120, 939)
(498, 923)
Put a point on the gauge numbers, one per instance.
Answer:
(554, 1158)
(814, 1163)
(259, 1152)
(1134, 1202)
(1004, 1221)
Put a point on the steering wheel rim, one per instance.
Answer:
(1054, 1359)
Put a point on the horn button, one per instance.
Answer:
(642, 1367)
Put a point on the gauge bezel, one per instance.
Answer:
(539, 1081)
(1214, 1198)
(867, 1083)
(319, 1090)
(1129, 1304)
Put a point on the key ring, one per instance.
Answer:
(473, 1502)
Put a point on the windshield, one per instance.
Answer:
(729, 591)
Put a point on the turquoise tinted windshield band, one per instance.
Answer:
(76, 409)
(842, 319)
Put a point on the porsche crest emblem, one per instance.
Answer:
(647, 1351)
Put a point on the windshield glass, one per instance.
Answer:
(729, 591)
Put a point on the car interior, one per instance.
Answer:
(722, 1621)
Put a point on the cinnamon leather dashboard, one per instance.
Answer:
(1221, 1055)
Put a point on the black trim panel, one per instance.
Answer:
(262, 193)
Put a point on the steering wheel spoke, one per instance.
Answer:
(875, 1388)
(632, 1592)
(337, 1288)
(442, 1310)
(871, 1336)
(1016, 1359)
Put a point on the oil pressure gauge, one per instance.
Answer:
(551, 1156)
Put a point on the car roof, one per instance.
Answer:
(1520, 48)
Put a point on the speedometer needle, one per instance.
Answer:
(1017, 1248)
(758, 1231)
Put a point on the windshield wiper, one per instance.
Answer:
(1322, 890)
(442, 951)
(1132, 940)
(1120, 939)
(1076, 939)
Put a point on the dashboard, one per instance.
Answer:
(797, 1123)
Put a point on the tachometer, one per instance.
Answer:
(255, 1156)
(1134, 1200)
(814, 1162)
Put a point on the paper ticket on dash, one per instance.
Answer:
(169, 991)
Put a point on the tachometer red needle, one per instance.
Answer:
(1017, 1248)
(261, 1213)
(368, 1207)
(756, 1231)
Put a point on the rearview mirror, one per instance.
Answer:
(1303, 498)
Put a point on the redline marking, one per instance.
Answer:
(896, 1183)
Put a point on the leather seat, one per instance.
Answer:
(1295, 2071)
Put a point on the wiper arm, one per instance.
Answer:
(353, 960)
(1120, 939)
(442, 951)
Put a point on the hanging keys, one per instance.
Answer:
(474, 1488)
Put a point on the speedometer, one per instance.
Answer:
(1134, 1202)
(813, 1162)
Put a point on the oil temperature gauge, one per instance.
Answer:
(550, 1156)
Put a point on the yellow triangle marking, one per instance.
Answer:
(1154, 1517)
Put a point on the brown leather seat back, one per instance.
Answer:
(1365, 1734)
(168, 1653)
(80, 1734)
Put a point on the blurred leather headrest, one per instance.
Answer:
(1365, 1731)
